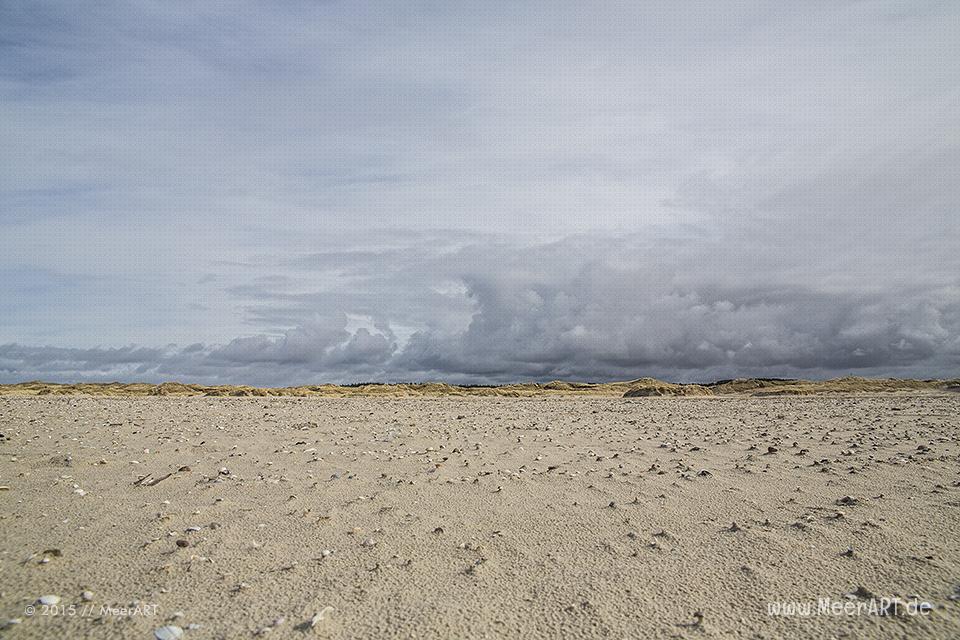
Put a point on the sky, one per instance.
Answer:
(302, 192)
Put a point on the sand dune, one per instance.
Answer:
(632, 388)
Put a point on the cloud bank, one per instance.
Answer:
(586, 308)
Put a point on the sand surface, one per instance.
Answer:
(478, 517)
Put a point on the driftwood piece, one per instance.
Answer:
(144, 482)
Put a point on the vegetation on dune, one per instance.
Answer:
(642, 387)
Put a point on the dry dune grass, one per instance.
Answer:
(850, 384)
(647, 387)
(642, 387)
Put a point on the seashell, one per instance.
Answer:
(168, 632)
(86, 596)
(49, 600)
(317, 619)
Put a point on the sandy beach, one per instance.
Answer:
(480, 517)
(466, 320)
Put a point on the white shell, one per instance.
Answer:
(87, 596)
(169, 632)
(49, 600)
(318, 618)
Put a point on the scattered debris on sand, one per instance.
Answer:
(564, 513)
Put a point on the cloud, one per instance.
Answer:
(587, 307)
(591, 318)
(520, 115)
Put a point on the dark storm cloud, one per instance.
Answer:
(589, 307)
